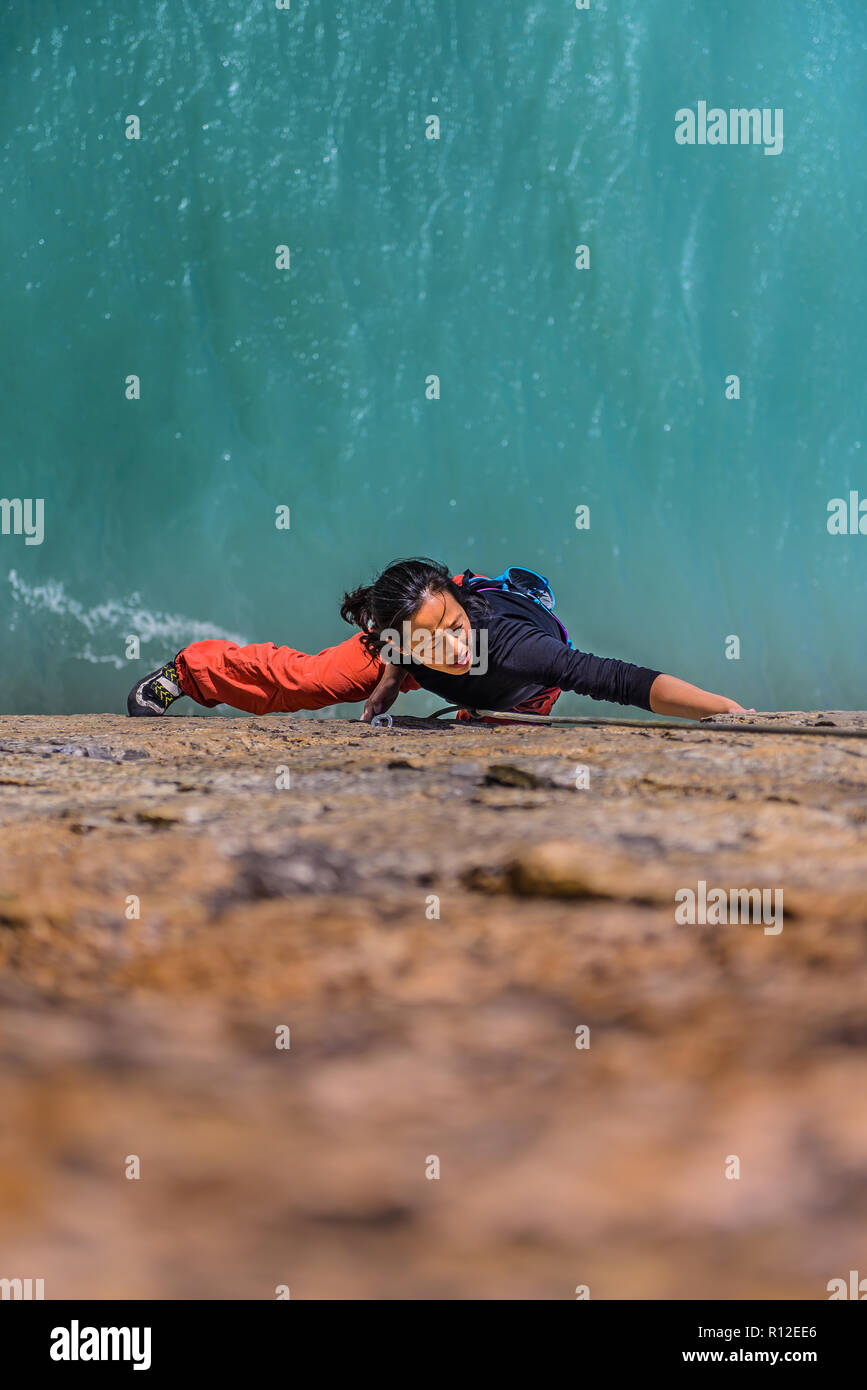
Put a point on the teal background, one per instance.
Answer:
(409, 257)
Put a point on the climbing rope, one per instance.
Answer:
(602, 721)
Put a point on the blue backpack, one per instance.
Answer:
(527, 583)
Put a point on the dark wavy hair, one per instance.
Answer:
(398, 593)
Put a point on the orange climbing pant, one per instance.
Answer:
(267, 679)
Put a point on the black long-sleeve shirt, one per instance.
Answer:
(526, 654)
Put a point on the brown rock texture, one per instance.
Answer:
(434, 912)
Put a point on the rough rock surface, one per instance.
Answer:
(173, 892)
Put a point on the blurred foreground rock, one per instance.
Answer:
(432, 912)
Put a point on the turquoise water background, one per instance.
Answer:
(305, 387)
